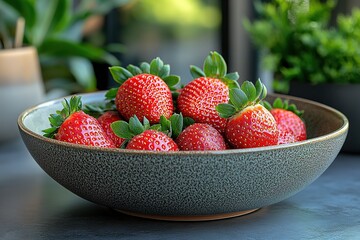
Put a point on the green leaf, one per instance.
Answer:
(75, 104)
(165, 124)
(83, 72)
(165, 71)
(220, 63)
(187, 121)
(93, 110)
(171, 80)
(210, 67)
(267, 105)
(25, 9)
(146, 123)
(156, 65)
(52, 18)
(69, 107)
(62, 16)
(177, 123)
(120, 74)
(145, 67)
(286, 104)
(249, 89)
(121, 129)
(156, 127)
(111, 93)
(135, 126)
(50, 132)
(259, 88)
(55, 120)
(232, 76)
(215, 65)
(230, 83)
(65, 48)
(225, 110)
(263, 93)
(134, 70)
(238, 98)
(278, 103)
(196, 72)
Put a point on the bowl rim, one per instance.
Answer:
(341, 130)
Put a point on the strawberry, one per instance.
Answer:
(202, 137)
(140, 137)
(289, 123)
(145, 91)
(105, 121)
(249, 123)
(152, 140)
(73, 125)
(209, 88)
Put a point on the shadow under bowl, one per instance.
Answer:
(187, 185)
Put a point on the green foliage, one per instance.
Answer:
(55, 29)
(303, 47)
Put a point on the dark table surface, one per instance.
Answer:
(33, 206)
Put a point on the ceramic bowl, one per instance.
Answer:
(187, 185)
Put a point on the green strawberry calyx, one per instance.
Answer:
(172, 127)
(97, 109)
(155, 67)
(57, 119)
(215, 67)
(280, 104)
(240, 98)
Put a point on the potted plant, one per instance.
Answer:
(310, 58)
(55, 28)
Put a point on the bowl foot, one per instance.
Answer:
(189, 218)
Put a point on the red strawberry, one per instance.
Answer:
(210, 87)
(152, 140)
(290, 125)
(144, 91)
(250, 124)
(202, 137)
(105, 121)
(140, 137)
(74, 126)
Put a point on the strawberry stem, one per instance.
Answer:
(57, 119)
(171, 127)
(247, 95)
(215, 67)
(283, 104)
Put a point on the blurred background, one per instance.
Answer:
(78, 39)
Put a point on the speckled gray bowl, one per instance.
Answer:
(187, 185)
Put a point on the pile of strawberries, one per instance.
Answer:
(149, 112)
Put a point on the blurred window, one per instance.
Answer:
(179, 32)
